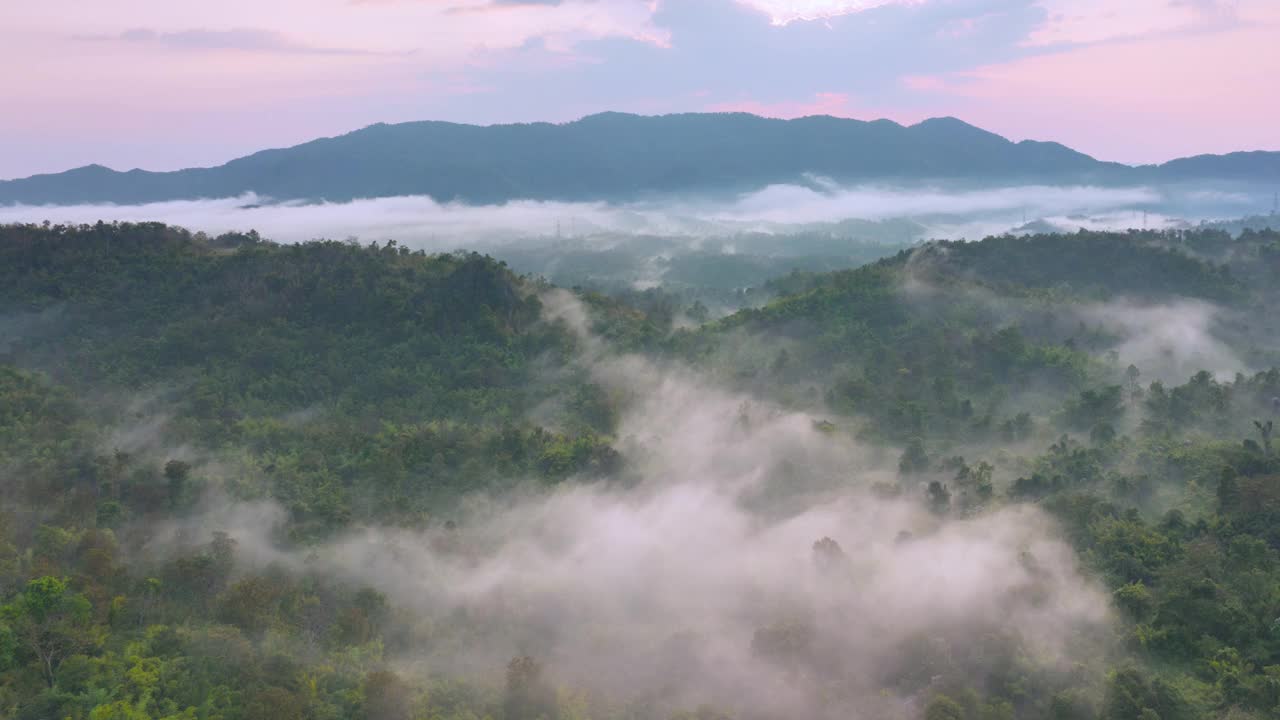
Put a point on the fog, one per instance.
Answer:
(1169, 342)
(1167, 339)
(699, 577)
(421, 222)
(16, 326)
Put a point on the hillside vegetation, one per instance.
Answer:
(196, 432)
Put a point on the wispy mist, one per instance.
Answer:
(1171, 341)
(700, 577)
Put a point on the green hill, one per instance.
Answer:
(195, 431)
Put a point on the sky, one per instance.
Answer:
(160, 85)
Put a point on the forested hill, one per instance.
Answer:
(619, 156)
(1152, 265)
(234, 338)
(286, 325)
(246, 481)
(915, 340)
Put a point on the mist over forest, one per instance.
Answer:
(721, 250)
(803, 453)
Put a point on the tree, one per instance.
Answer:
(386, 696)
(252, 603)
(787, 642)
(1131, 374)
(975, 483)
(51, 622)
(942, 707)
(1265, 430)
(1135, 599)
(528, 695)
(828, 555)
(1228, 490)
(119, 710)
(178, 476)
(274, 703)
(914, 458)
(1102, 434)
(939, 497)
(1093, 407)
(149, 590)
(1131, 695)
(8, 646)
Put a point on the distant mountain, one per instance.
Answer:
(615, 156)
(1257, 166)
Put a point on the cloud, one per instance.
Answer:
(795, 204)
(1178, 83)
(246, 39)
(1078, 22)
(783, 12)
(568, 22)
(21, 326)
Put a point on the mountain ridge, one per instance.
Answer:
(613, 155)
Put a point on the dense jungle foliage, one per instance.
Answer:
(147, 374)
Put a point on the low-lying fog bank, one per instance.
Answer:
(937, 212)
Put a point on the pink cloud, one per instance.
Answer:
(1142, 100)
(1078, 22)
(1074, 22)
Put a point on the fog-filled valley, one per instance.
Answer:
(754, 460)
(721, 250)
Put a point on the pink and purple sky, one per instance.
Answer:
(160, 84)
